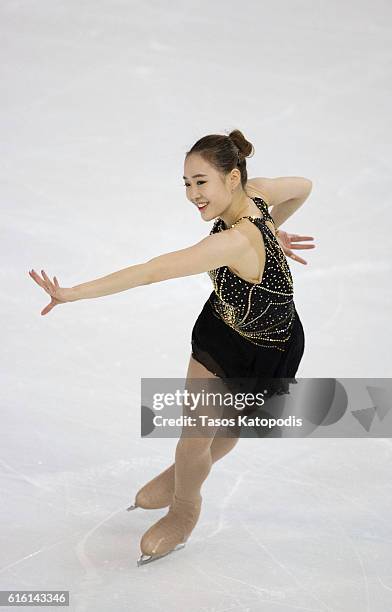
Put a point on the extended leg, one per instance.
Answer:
(158, 492)
(192, 466)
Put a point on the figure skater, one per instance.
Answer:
(248, 327)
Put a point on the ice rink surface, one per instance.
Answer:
(100, 102)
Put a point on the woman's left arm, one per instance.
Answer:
(288, 195)
(285, 194)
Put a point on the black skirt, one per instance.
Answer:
(244, 366)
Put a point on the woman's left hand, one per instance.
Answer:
(289, 242)
(59, 295)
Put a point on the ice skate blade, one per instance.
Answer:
(132, 507)
(143, 559)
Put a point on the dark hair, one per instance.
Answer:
(225, 152)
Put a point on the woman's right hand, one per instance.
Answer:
(59, 295)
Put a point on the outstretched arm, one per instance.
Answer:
(212, 252)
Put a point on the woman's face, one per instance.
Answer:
(209, 187)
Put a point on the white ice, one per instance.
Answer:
(100, 102)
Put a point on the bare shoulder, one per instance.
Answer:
(261, 187)
(250, 235)
(231, 242)
(279, 189)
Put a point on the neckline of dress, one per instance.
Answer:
(244, 217)
(260, 282)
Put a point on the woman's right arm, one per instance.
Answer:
(212, 252)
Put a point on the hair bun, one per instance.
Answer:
(225, 152)
(245, 148)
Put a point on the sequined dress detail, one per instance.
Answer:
(262, 313)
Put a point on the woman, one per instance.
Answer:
(249, 326)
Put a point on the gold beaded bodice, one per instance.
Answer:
(263, 313)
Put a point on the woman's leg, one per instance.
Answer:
(193, 458)
(192, 465)
(158, 492)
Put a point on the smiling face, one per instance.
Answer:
(204, 184)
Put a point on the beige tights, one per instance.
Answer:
(158, 492)
(192, 466)
(179, 487)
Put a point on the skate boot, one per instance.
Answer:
(157, 493)
(171, 532)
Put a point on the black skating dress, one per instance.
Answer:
(247, 333)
